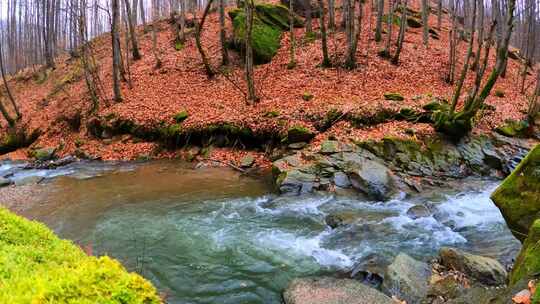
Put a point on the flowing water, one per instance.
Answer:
(213, 236)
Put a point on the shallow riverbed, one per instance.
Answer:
(213, 236)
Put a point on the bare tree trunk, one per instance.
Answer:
(534, 103)
(222, 33)
(309, 26)
(182, 37)
(8, 91)
(331, 14)
(453, 41)
(425, 18)
(465, 69)
(134, 44)
(380, 12)
(326, 59)
(198, 30)
(389, 28)
(292, 60)
(439, 14)
(143, 16)
(249, 8)
(350, 21)
(155, 19)
(401, 37)
(116, 51)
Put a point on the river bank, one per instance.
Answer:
(175, 225)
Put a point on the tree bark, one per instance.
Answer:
(134, 44)
(380, 12)
(324, 44)
(331, 14)
(401, 37)
(198, 30)
(116, 51)
(249, 8)
(222, 33)
(425, 18)
(292, 60)
(8, 91)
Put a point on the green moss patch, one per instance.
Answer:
(518, 197)
(527, 265)
(38, 267)
(513, 128)
(299, 134)
(393, 96)
(180, 116)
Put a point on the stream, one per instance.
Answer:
(211, 235)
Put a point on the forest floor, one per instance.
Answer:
(156, 95)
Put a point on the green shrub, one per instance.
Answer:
(38, 267)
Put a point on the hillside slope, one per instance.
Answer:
(181, 85)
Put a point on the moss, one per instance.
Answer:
(528, 262)
(499, 93)
(180, 116)
(178, 45)
(518, 197)
(393, 96)
(268, 23)
(38, 267)
(513, 128)
(395, 19)
(272, 114)
(299, 134)
(171, 131)
(306, 96)
(265, 38)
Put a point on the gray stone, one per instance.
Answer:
(296, 182)
(247, 161)
(330, 147)
(485, 270)
(338, 219)
(29, 180)
(407, 278)
(372, 178)
(298, 145)
(4, 182)
(341, 180)
(418, 211)
(326, 290)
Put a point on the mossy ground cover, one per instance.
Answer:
(38, 267)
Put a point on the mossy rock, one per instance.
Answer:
(499, 93)
(513, 128)
(527, 265)
(180, 116)
(518, 197)
(38, 267)
(269, 22)
(414, 22)
(393, 96)
(272, 114)
(299, 134)
(306, 96)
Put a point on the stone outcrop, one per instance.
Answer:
(407, 278)
(518, 197)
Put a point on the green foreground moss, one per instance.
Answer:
(527, 264)
(38, 267)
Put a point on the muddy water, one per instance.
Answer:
(213, 236)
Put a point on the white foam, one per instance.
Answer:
(304, 246)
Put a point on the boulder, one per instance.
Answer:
(247, 161)
(268, 24)
(407, 278)
(418, 211)
(301, 7)
(295, 182)
(341, 180)
(44, 154)
(370, 177)
(513, 128)
(4, 182)
(330, 147)
(527, 264)
(327, 290)
(518, 197)
(485, 270)
(338, 219)
(299, 134)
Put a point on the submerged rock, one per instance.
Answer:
(338, 219)
(29, 180)
(4, 182)
(407, 278)
(518, 197)
(485, 270)
(418, 211)
(327, 290)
